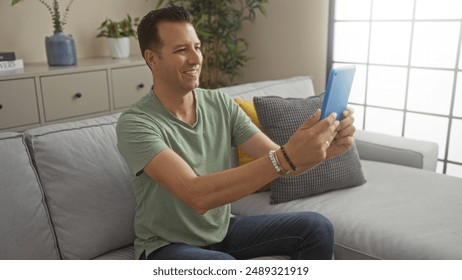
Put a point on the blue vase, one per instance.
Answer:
(60, 50)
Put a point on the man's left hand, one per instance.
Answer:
(345, 135)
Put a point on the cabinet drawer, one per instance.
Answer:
(130, 84)
(76, 94)
(18, 103)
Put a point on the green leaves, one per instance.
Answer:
(58, 21)
(14, 2)
(118, 29)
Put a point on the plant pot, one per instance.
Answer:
(119, 47)
(60, 50)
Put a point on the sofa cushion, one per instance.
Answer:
(25, 227)
(396, 150)
(297, 87)
(248, 107)
(280, 118)
(399, 213)
(87, 185)
(126, 253)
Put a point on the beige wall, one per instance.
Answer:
(290, 40)
(24, 26)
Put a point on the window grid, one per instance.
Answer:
(457, 70)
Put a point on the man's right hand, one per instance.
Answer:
(308, 145)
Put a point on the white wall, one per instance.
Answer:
(24, 26)
(290, 40)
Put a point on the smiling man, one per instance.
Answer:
(177, 143)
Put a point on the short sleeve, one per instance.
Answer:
(242, 126)
(138, 140)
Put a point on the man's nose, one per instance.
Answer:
(195, 57)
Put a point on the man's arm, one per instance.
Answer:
(342, 141)
(203, 193)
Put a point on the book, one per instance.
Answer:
(11, 65)
(7, 56)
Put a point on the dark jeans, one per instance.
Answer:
(303, 235)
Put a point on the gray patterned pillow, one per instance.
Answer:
(280, 118)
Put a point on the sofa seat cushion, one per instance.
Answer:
(87, 185)
(126, 253)
(25, 227)
(400, 213)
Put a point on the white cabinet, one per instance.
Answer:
(130, 84)
(18, 103)
(39, 94)
(75, 94)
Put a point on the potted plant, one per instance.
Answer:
(60, 48)
(217, 24)
(118, 34)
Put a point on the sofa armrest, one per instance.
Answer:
(397, 150)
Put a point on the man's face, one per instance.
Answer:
(179, 61)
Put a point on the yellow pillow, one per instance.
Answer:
(248, 107)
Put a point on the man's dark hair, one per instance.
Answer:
(148, 31)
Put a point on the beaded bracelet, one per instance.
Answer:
(292, 165)
(275, 162)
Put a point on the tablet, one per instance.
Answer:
(338, 91)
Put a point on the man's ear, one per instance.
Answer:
(151, 58)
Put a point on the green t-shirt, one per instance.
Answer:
(146, 129)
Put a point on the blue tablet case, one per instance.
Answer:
(338, 91)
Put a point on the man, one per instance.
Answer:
(177, 141)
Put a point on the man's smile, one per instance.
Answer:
(192, 73)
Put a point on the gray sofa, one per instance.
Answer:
(66, 193)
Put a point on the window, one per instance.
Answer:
(409, 69)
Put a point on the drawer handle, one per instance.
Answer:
(140, 86)
(1, 106)
(78, 95)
